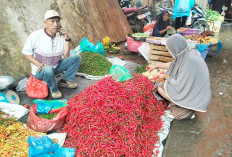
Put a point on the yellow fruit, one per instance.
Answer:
(117, 48)
(106, 47)
(106, 40)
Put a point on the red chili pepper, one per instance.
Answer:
(115, 118)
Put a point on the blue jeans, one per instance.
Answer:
(68, 65)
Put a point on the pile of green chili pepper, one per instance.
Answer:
(94, 64)
(48, 116)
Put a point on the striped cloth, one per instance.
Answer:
(181, 113)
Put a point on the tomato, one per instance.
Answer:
(147, 68)
(26, 106)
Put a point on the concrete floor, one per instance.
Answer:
(210, 133)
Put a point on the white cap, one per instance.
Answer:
(50, 14)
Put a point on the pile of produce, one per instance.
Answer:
(94, 64)
(140, 35)
(13, 137)
(202, 39)
(114, 118)
(208, 33)
(48, 116)
(213, 15)
(156, 75)
(140, 69)
(110, 46)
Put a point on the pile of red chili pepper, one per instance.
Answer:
(114, 118)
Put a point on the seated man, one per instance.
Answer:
(44, 49)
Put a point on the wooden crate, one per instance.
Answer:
(158, 47)
(160, 58)
(159, 53)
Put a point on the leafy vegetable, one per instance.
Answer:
(212, 15)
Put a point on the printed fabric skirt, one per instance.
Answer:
(179, 113)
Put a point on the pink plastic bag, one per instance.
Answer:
(133, 45)
(44, 125)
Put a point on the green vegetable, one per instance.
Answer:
(140, 35)
(212, 15)
(140, 69)
(94, 64)
(47, 116)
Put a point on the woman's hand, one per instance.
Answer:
(158, 66)
(169, 27)
(151, 67)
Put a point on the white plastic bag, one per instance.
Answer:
(14, 110)
(144, 50)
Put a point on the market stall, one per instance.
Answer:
(154, 50)
(203, 41)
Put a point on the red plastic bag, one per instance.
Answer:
(148, 27)
(36, 88)
(44, 125)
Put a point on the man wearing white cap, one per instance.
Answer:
(44, 48)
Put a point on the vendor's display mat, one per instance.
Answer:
(159, 53)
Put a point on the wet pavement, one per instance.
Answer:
(210, 133)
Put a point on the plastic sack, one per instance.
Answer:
(44, 125)
(65, 152)
(14, 110)
(45, 147)
(56, 104)
(87, 46)
(144, 50)
(120, 73)
(43, 108)
(36, 88)
(182, 8)
(149, 27)
(99, 48)
(39, 146)
(22, 85)
(133, 45)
